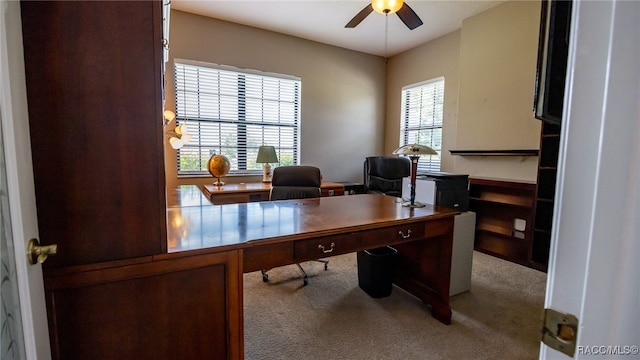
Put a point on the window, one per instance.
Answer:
(233, 112)
(421, 123)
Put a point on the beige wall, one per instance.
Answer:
(437, 58)
(498, 54)
(351, 101)
(489, 69)
(343, 91)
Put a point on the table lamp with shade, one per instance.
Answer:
(414, 151)
(266, 156)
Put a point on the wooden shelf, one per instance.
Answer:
(498, 205)
(497, 231)
(504, 201)
(518, 152)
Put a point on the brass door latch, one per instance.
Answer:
(37, 254)
(560, 331)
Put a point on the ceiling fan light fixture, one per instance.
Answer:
(386, 6)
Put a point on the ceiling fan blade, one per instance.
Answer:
(409, 17)
(359, 17)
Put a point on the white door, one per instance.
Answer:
(19, 186)
(594, 267)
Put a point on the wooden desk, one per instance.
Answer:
(258, 191)
(274, 233)
(187, 303)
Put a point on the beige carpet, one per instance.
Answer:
(332, 318)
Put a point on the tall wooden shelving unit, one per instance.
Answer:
(545, 193)
(553, 49)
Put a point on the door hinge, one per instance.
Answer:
(560, 331)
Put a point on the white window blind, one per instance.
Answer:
(233, 113)
(421, 123)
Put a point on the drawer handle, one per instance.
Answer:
(403, 235)
(325, 251)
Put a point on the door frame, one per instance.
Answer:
(593, 267)
(575, 273)
(15, 122)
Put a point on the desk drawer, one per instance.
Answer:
(357, 241)
(393, 235)
(324, 246)
(267, 256)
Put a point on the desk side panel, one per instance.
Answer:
(424, 267)
(184, 308)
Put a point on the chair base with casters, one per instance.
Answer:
(295, 182)
(305, 277)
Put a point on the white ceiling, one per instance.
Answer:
(324, 20)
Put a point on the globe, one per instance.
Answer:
(218, 167)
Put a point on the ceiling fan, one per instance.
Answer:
(405, 13)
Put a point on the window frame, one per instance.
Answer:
(244, 150)
(434, 124)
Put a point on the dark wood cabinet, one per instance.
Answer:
(94, 88)
(504, 217)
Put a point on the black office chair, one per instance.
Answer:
(295, 182)
(384, 174)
